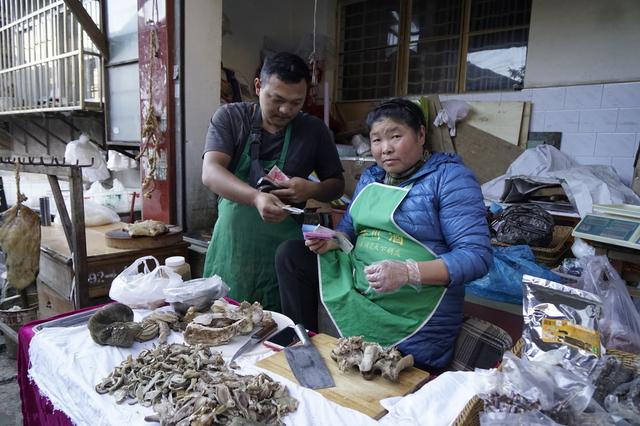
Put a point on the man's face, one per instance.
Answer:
(280, 102)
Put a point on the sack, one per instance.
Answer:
(84, 152)
(620, 322)
(143, 289)
(524, 224)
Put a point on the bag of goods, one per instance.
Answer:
(143, 289)
(558, 316)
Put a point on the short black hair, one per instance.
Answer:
(398, 109)
(287, 67)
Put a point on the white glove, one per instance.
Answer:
(389, 275)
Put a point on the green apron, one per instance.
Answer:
(243, 246)
(386, 318)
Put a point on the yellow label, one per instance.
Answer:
(565, 332)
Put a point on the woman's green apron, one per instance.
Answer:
(386, 318)
(243, 246)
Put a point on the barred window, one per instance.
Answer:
(411, 47)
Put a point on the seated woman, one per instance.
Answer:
(419, 229)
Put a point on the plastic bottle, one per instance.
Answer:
(179, 266)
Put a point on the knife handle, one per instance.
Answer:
(264, 332)
(302, 334)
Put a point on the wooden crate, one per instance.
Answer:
(103, 265)
(550, 256)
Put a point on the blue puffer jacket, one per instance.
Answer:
(444, 210)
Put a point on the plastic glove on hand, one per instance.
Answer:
(389, 275)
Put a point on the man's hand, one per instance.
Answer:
(270, 207)
(321, 246)
(295, 191)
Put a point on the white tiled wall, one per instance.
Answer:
(600, 123)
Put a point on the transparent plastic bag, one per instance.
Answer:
(531, 418)
(524, 386)
(143, 289)
(620, 322)
(200, 293)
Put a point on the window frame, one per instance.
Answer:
(404, 44)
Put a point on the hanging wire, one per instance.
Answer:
(312, 56)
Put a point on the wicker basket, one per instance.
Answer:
(470, 414)
(551, 255)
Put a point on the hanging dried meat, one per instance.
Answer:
(20, 241)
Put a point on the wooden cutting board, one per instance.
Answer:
(118, 238)
(351, 390)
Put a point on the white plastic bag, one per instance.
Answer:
(94, 214)
(82, 151)
(143, 289)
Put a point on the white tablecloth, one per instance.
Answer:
(66, 364)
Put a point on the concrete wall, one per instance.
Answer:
(583, 41)
(203, 34)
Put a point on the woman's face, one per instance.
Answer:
(395, 146)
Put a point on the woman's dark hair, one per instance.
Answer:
(398, 109)
(287, 67)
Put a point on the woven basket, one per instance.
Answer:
(470, 414)
(557, 248)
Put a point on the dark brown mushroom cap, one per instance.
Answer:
(113, 325)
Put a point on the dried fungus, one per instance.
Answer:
(370, 358)
(191, 385)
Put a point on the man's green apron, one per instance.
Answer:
(386, 318)
(243, 246)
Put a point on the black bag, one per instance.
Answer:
(524, 224)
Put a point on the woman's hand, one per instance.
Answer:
(321, 246)
(390, 275)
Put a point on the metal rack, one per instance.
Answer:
(74, 226)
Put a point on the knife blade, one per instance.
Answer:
(307, 364)
(257, 337)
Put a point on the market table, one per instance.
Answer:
(53, 354)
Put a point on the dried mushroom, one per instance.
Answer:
(224, 322)
(113, 325)
(370, 358)
(146, 228)
(190, 385)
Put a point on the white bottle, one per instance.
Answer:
(179, 266)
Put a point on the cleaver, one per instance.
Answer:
(307, 364)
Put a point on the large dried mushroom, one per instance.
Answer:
(370, 358)
(146, 228)
(113, 325)
(224, 322)
(190, 385)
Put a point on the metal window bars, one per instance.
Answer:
(47, 61)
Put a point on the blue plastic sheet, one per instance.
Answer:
(503, 283)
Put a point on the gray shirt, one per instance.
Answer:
(310, 148)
